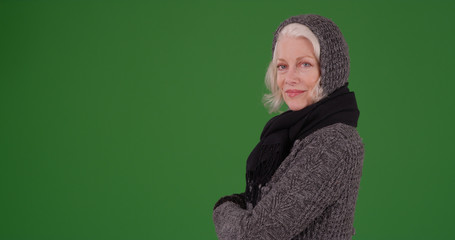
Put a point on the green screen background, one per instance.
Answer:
(129, 119)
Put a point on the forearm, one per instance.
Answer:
(230, 221)
(283, 213)
(312, 183)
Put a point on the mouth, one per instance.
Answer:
(293, 92)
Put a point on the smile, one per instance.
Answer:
(294, 92)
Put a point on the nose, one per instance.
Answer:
(292, 76)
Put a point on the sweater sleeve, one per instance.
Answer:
(313, 181)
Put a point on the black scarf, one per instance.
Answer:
(281, 131)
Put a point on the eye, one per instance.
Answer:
(281, 67)
(306, 64)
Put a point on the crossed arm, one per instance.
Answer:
(314, 180)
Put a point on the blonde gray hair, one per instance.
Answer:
(274, 99)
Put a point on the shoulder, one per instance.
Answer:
(338, 135)
(335, 146)
(333, 151)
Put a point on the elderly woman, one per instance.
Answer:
(302, 178)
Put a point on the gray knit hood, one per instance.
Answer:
(334, 55)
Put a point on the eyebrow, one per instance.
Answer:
(299, 58)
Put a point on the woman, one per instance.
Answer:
(304, 174)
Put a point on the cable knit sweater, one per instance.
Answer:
(312, 194)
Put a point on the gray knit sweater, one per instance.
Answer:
(312, 194)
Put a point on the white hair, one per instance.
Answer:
(274, 99)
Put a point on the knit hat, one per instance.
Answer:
(334, 55)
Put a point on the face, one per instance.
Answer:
(297, 71)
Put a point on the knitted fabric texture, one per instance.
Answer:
(334, 56)
(281, 132)
(312, 194)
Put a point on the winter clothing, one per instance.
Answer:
(281, 131)
(334, 56)
(303, 176)
(312, 194)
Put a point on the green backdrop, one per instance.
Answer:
(129, 119)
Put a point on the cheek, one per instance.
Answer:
(279, 81)
(313, 79)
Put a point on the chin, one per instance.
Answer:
(296, 106)
(298, 103)
(296, 109)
